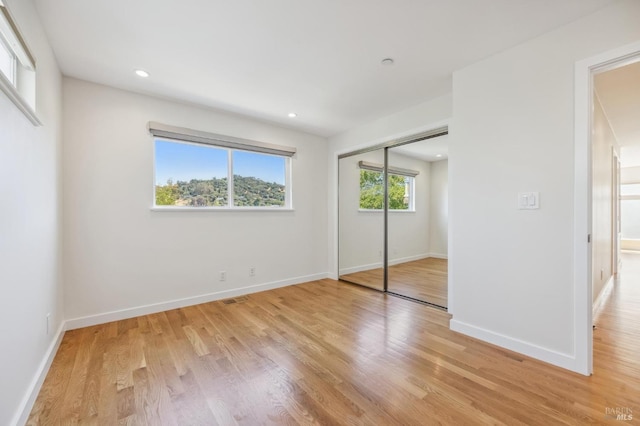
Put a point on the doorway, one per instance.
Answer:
(393, 218)
(585, 272)
(615, 149)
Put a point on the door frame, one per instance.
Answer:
(582, 197)
(615, 207)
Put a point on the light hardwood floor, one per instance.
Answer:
(331, 353)
(373, 278)
(424, 279)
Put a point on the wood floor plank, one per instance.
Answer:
(157, 406)
(73, 396)
(330, 353)
(107, 404)
(92, 385)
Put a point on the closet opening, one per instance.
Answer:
(393, 218)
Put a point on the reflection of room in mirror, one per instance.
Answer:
(418, 241)
(361, 231)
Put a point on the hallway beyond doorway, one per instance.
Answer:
(616, 342)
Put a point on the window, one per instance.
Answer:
(630, 211)
(401, 187)
(7, 63)
(218, 173)
(190, 175)
(17, 67)
(258, 179)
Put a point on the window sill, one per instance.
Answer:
(13, 94)
(220, 209)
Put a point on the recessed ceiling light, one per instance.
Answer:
(292, 115)
(142, 73)
(387, 61)
(439, 155)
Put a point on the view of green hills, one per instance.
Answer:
(248, 191)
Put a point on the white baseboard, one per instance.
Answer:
(24, 409)
(603, 296)
(439, 255)
(354, 269)
(529, 349)
(408, 259)
(105, 317)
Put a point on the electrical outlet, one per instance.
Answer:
(48, 322)
(223, 275)
(252, 271)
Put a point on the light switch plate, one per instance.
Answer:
(528, 200)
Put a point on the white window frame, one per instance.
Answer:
(20, 87)
(412, 194)
(631, 197)
(231, 145)
(12, 57)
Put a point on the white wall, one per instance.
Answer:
(29, 227)
(361, 236)
(439, 209)
(513, 131)
(603, 142)
(120, 255)
(430, 114)
(409, 233)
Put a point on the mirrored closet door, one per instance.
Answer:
(361, 220)
(393, 219)
(417, 221)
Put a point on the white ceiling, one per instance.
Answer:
(619, 94)
(427, 150)
(320, 59)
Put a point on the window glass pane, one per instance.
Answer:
(190, 175)
(6, 62)
(630, 189)
(630, 218)
(372, 191)
(258, 179)
(399, 192)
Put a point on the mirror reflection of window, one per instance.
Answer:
(372, 191)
